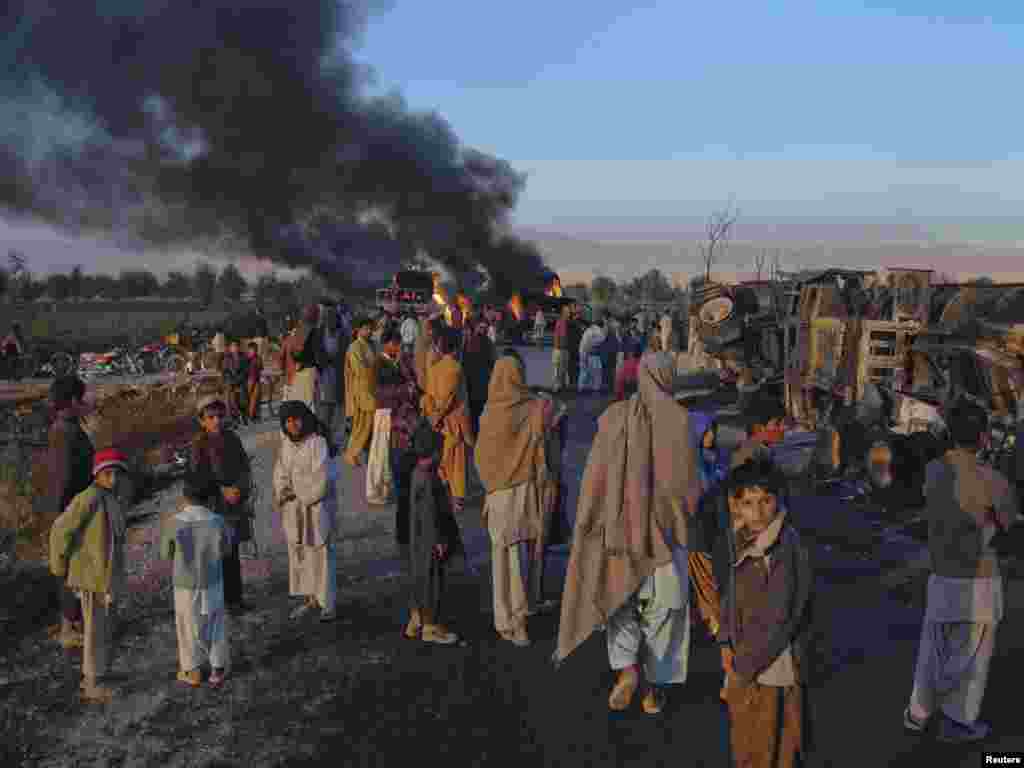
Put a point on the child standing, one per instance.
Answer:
(196, 541)
(433, 539)
(254, 389)
(766, 583)
(87, 549)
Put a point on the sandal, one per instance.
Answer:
(414, 627)
(625, 687)
(193, 678)
(217, 678)
(518, 637)
(438, 634)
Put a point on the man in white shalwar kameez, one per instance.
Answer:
(967, 503)
(305, 492)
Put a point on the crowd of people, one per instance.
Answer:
(667, 520)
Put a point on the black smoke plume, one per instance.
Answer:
(239, 123)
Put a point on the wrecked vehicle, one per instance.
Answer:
(869, 361)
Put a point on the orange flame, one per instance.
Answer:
(554, 288)
(465, 304)
(515, 305)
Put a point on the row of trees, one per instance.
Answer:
(652, 286)
(206, 285)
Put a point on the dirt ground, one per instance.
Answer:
(356, 693)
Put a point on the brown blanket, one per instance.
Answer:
(637, 499)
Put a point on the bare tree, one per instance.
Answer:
(719, 228)
(760, 262)
(776, 269)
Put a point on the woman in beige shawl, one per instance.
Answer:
(518, 457)
(628, 567)
(445, 404)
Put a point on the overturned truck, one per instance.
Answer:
(873, 359)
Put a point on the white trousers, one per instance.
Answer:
(644, 630)
(518, 580)
(952, 669)
(200, 637)
(312, 572)
(379, 486)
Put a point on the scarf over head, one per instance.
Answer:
(298, 409)
(510, 446)
(637, 498)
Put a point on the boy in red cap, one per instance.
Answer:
(87, 549)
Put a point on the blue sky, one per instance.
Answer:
(634, 120)
(793, 108)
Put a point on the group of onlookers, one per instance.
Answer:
(87, 539)
(603, 356)
(666, 518)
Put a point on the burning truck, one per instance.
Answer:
(523, 308)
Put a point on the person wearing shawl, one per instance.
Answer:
(628, 565)
(518, 457)
(712, 467)
(306, 496)
(87, 552)
(478, 362)
(444, 404)
(222, 452)
(69, 456)
(433, 538)
(196, 541)
(331, 350)
(360, 391)
(303, 349)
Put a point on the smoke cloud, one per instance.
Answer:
(239, 124)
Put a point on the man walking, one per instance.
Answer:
(967, 503)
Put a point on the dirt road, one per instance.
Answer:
(355, 693)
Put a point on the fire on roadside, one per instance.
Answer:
(441, 299)
(515, 306)
(465, 304)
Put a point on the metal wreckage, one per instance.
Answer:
(870, 361)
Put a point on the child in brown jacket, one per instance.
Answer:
(767, 587)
